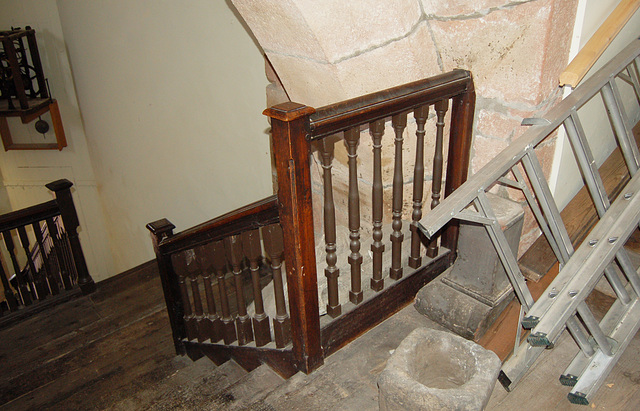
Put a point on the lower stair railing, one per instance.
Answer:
(224, 280)
(50, 252)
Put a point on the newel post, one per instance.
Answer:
(160, 230)
(292, 157)
(62, 190)
(460, 140)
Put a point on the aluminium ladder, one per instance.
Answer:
(563, 305)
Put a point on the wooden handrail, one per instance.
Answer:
(597, 44)
(249, 217)
(29, 215)
(338, 117)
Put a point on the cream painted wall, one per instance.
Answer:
(566, 176)
(24, 173)
(171, 94)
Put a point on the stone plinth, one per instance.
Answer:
(469, 296)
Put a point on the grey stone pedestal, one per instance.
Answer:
(469, 296)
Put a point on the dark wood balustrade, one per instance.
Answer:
(54, 268)
(222, 262)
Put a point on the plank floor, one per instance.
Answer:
(112, 350)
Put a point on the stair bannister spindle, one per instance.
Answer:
(25, 289)
(34, 278)
(253, 251)
(233, 245)
(51, 279)
(274, 248)
(220, 267)
(63, 268)
(292, 151)
(326, 147)
(399, 123)
(193, 271)
(179, 261)
(436, 183)
(376, 129)
(420, 114)
(10, 297)
(211, 323)
(351, 141)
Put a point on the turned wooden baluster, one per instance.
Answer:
(399, 123)
(420, 114)
(211, 324)
(63, 267)
(51, 278)
(220, 267)
(253, 251)
(33, 276)
(193, 271)
(436, 183)
(376, 129)
(179, 261)
(274, 247)
(233, 245)
(351, 140)
(25, 289)
(334, 309)
(10, 297)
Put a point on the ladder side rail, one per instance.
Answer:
(504, 161)
(620, 126)
(505, 254)
(578, 278)
(586, 374)
(595, 186)
(541, 189)
(537, 212)
(525, 355)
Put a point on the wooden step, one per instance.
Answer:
(191, 387)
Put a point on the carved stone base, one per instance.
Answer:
(469, 296)
(457, 311)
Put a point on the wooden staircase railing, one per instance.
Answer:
(211, 273)
(57, 271)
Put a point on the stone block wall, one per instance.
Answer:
(328, 51)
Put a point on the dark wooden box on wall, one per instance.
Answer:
(23, 89)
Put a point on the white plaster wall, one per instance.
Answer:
(24, 173)
(566, 176)
(171, 94)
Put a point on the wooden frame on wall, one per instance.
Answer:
(50, 106)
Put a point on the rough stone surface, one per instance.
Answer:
(330, 51)
(469, 296)
(437, 370)
(464, 8)
(460, 312)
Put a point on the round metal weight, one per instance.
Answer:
(42, 126)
